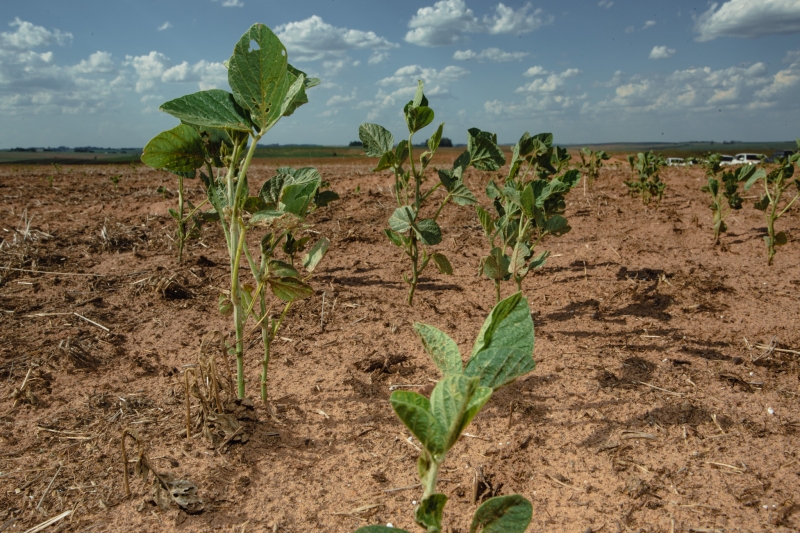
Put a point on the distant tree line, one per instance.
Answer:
(445, 143)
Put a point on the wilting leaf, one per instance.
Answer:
(290, 289)
(442, 263)
(315, 254)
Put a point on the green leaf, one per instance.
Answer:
(519, 255)
(429, 232)
(290, 288)
(442, 349)
(419, 96)
(780, 239)
(484, 153)
(502, 514)
(402, 219)
(300, 97)
(177, 150)
(429, 512)
(387, 160)
(503, 350)
(571, 178)
(395, 237)
(496, 265)
(442, 263)
(299, 189)
(449, 402)
(401, 152)
(556, 225)
(418, 117)
(258, 75)
(762, 203)
(214, 108)
(280, 269)
(757, 175)
(380, 529)
(487, 222)
(271, 189)
(315, 254)
(539, 260)
(414, 410)
(376, 139)
(527, 200)
(462, 195)
(436, 138)
(253, 204)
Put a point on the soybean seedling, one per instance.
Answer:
(529, 206)
(775, 184)
(647, 166)
(591, 162)
(115, 180)
(724, 196)
(221, 129)
(502, 352)
(407, 227)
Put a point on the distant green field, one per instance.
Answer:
(692, 149)
(67, 158)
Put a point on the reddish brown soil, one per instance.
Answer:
(654, 406)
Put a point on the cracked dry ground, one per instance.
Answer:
(665, 396)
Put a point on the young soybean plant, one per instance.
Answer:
(648, 185)
(591, 162)
(775, 184)
(502, 352)
(222, 129)
(529, 207)
(728, 193)
(407, 227)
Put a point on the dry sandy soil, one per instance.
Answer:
(665, 396)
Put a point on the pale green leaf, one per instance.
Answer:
(442, 263)
(402, 219)
(376, 139)
(289, 288)
(442, 349)
(315, 254)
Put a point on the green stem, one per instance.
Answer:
(788, 205)
(414, 254)
(496, 291)
(429, 483)
(447, 199)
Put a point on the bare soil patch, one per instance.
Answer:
(665, 396)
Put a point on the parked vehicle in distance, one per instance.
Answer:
(748, 159)
(726, 160)
(780, 154)
(675, 162)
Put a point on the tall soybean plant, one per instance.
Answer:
(412, 226)
(529, 206)
(220, 130)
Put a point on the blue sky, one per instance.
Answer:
(94, 72)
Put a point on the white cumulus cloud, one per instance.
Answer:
(747, 18)
(313, 39)
(549, 84)
(490, 54)
(231, 3)
(661, 52)
(447, 21)
(605, 4)
(27, 36)
(167, 25)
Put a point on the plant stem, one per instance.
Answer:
(429, 483)
(414, 272)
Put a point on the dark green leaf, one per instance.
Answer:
(484, 153)
(780, 239)
(442, 263)
(315, 254)
(442, 349)
(757, 175)
(556, 225)
(502, 514)
(253, 204)
(271, 190)
(414, 410)
(387, 160)
(376, 139)
(214, 108)
(539, 260)
(429, 512)
(258, 75)
(429, 232)
(527, 200)
(323, 198)
(418, 117)
(462, 195)
(178, 150)
(401, 152)
(496, 265)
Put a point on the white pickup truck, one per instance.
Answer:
(747, 159)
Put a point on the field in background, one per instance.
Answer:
(329, 154)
